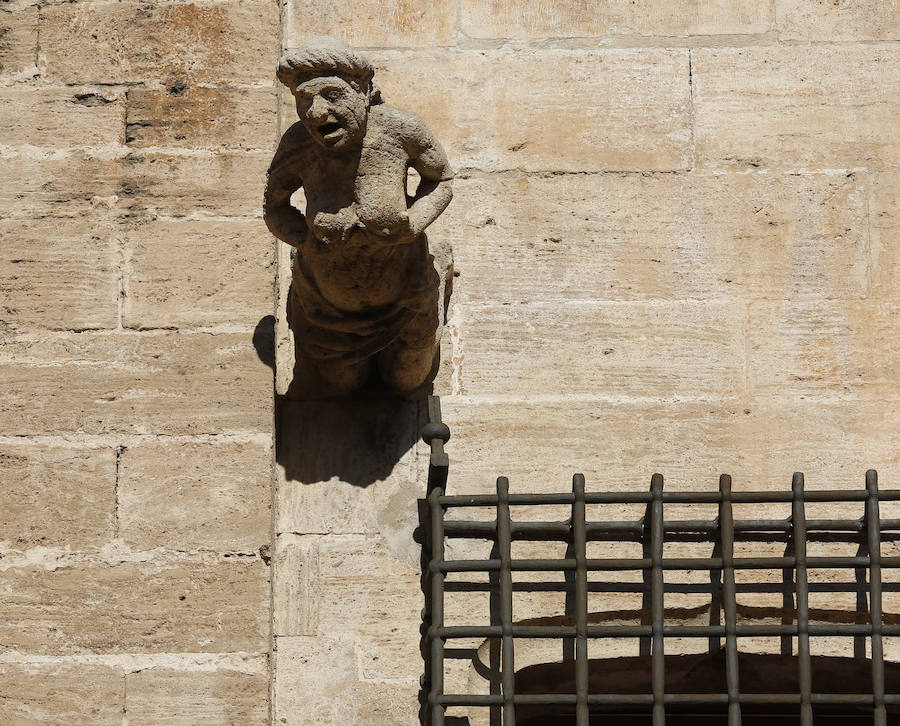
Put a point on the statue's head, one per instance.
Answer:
(332, 86)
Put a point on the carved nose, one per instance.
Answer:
(319, 108)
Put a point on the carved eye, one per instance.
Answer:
(333, 95)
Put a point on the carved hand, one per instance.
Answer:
(332, 228)
(401, 232)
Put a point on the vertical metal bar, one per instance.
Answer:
(657, 601)
(715, 605)
(788, 595)
(425, 560)
(726, 540)
(568, 644)
(859, 641)
(581, 602)
(798, 520)
(436, 433)
(507, 655)
(437, 606)
(494, 686)
(873, 533)
(647, 576)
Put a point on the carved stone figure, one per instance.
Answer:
(364, 292)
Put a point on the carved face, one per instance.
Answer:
(333, 111)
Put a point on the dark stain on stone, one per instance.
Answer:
(91, 99)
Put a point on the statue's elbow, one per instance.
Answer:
(448, 193)
(273, 221)
(267, 217)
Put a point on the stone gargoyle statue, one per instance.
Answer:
(365, 292)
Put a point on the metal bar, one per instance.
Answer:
(798, 519)
(862, 603)
(675, 587)
(581, 603)
(657, 602)
(494, 686)
(670, 631)
(645, 643)
(698, 497)
(437, 607)
(504, 550)
(436, 433)
(669, 563)
(560, 530)
(726, 540)
(715, 605)
(682, 699)
(873, 536)
(787, 596)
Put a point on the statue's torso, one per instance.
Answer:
(365, 270)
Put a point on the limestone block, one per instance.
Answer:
(615, 20)
(830, 20)
(18, 38)
(548, 109)
(351, 586)
(295, 579)
(174, 383)
(834, 350)
(62, 118)
(234, 41)
(222, 183)
(58, 186)
(136, 607)
(223, 274)
(318, 683)
(59, 273)
(372, 23)
(71, 694)
(57, 495)
(183, 698)
(175, 184)
(691, 349)
(812, 107)
(885, 230)
(207, 118)
(190, 496)
(350, 468)
(619, 237)
(619, 445)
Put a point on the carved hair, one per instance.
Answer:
(326, 56)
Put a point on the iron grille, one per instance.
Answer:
(651, 531)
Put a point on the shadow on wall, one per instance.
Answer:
(374, 427)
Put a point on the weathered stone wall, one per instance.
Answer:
(135, 414)
(674, 229)
(676, 238)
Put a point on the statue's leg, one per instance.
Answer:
(313, 382)
(406, 363)
(339, 379)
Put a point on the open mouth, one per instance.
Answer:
(327, 129)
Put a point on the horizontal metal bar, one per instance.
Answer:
(669, 563)
(684, 699)
(642, 631)
(701, 497)
(562, 532)
(671, 587)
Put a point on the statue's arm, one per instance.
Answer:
(434, 192)
(284, 220)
